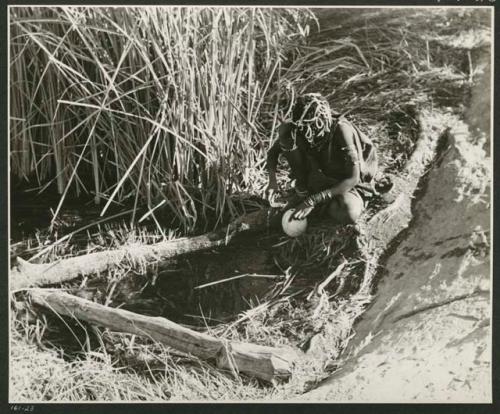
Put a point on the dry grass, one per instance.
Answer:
(381, 71)
(142, 372)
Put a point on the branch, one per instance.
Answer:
(29, 275)
(264, 362)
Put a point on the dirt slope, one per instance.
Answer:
(426, 337)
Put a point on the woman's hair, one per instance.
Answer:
(312, 116)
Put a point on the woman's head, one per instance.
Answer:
(312, 115)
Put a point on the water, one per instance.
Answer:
(168, 290)
(171, 291)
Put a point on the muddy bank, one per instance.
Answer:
(426, 336)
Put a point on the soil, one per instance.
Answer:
(427, 334)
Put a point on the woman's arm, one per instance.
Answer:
(272, 163)
(284, 142)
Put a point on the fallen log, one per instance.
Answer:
(263, 362)
(28, 275)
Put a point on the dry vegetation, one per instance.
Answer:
(150, 108)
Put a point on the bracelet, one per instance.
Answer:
(317, 198)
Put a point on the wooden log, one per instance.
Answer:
(263, 362)
(28, 275)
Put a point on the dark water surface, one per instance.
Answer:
(176, 290)
(169, 289)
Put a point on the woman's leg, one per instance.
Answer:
(346, 208)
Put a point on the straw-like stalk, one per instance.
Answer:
(147, 105)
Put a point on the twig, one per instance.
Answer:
(430, 306)
(234, 278)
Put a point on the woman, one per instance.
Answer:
(330, 159)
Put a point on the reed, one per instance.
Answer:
(147, 105)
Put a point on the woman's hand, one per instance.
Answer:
(272, 194)
(302, 211)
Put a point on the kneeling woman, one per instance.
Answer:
(330, 159)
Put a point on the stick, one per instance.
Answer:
(216, 282)
(263, 362)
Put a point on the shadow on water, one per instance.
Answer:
(178, 290)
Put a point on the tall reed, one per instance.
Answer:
(147, 105)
